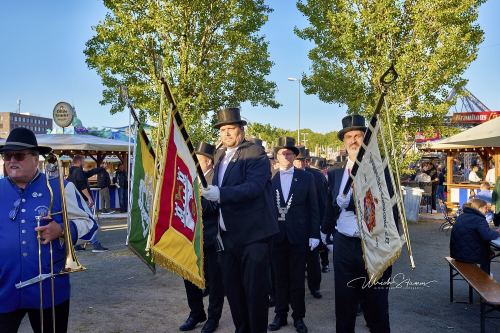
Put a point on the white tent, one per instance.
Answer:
(80, 143)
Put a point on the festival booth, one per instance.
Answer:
(484, 140)
(95, 149)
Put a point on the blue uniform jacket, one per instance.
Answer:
(19, 244)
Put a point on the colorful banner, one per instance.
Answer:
(142, 193)
(177, 232)
(376, 209)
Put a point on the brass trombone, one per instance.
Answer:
(53, 166)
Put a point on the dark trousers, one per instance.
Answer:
(350, 275)
(122, 197)
(323, 254)
(10, 321)
(313, 269)
(216, 289)
(496, 218)
(289, 261)
(245, 272)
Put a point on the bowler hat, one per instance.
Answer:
(205, 149)
(286, 142)
(21, 139)
(228, 116)
(352, 123)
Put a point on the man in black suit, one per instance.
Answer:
(349, 267)
(296, 209)
(205, 153)
(316, 167)
(242, 188)
(312, 257)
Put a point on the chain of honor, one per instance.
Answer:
(282, 210)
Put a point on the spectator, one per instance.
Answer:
(103, 182)
(495, 203)
(434, 179)
(471, 235)
(121, 181)
(490, 175)
(440, 185)
(473, 177)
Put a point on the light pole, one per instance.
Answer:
(298, 129)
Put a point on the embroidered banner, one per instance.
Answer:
(177, 232)
(376, 207)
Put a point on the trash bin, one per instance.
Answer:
(412, 197)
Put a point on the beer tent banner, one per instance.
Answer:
(141, 200)
(177, 229)
(376, 206)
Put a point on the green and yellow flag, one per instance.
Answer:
(177, 229)
(142, 193)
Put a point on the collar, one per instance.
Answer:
(288, 171)
(35, 177)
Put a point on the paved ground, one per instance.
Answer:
(118, 294)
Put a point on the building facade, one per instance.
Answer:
(11, 120)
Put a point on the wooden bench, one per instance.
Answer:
(487, 288)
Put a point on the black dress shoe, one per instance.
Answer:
(191, 323)
(316, 294)
(210, 326)
(300, 327)
(277, 323)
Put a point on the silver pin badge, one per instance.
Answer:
(40, 194)
(34, 194)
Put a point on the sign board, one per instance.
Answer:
(63, 114)
(474, 117)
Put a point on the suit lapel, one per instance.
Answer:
(296, 178)
(230, 165)
(277, 184)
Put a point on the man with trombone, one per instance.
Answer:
(39, 218)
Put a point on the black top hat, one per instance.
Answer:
(258, 142)
(205, 149)
(228, 116)
(286, 142)
(352, 123)
(21, 139)
(302, 153)
(318, 162)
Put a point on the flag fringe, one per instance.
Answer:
(164, 260)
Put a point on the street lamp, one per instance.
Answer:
(298, 129)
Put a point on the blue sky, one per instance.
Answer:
(42, 63)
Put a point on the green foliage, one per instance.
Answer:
(209, 51)
(432, 42)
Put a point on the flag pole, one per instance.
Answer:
(389, 76)
(182, 128)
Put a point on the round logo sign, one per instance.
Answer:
(63, 114)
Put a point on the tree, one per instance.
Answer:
(209, 51)
(431, 42)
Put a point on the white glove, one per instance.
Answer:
(313, 243)
(343, 200)
(211, 193)
(330, 247)
(323, 237)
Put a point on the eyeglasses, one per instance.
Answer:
(18, 156)
(13, 212)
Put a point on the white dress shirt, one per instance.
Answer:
(346, 223)
(286, 177)
(222, 170)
